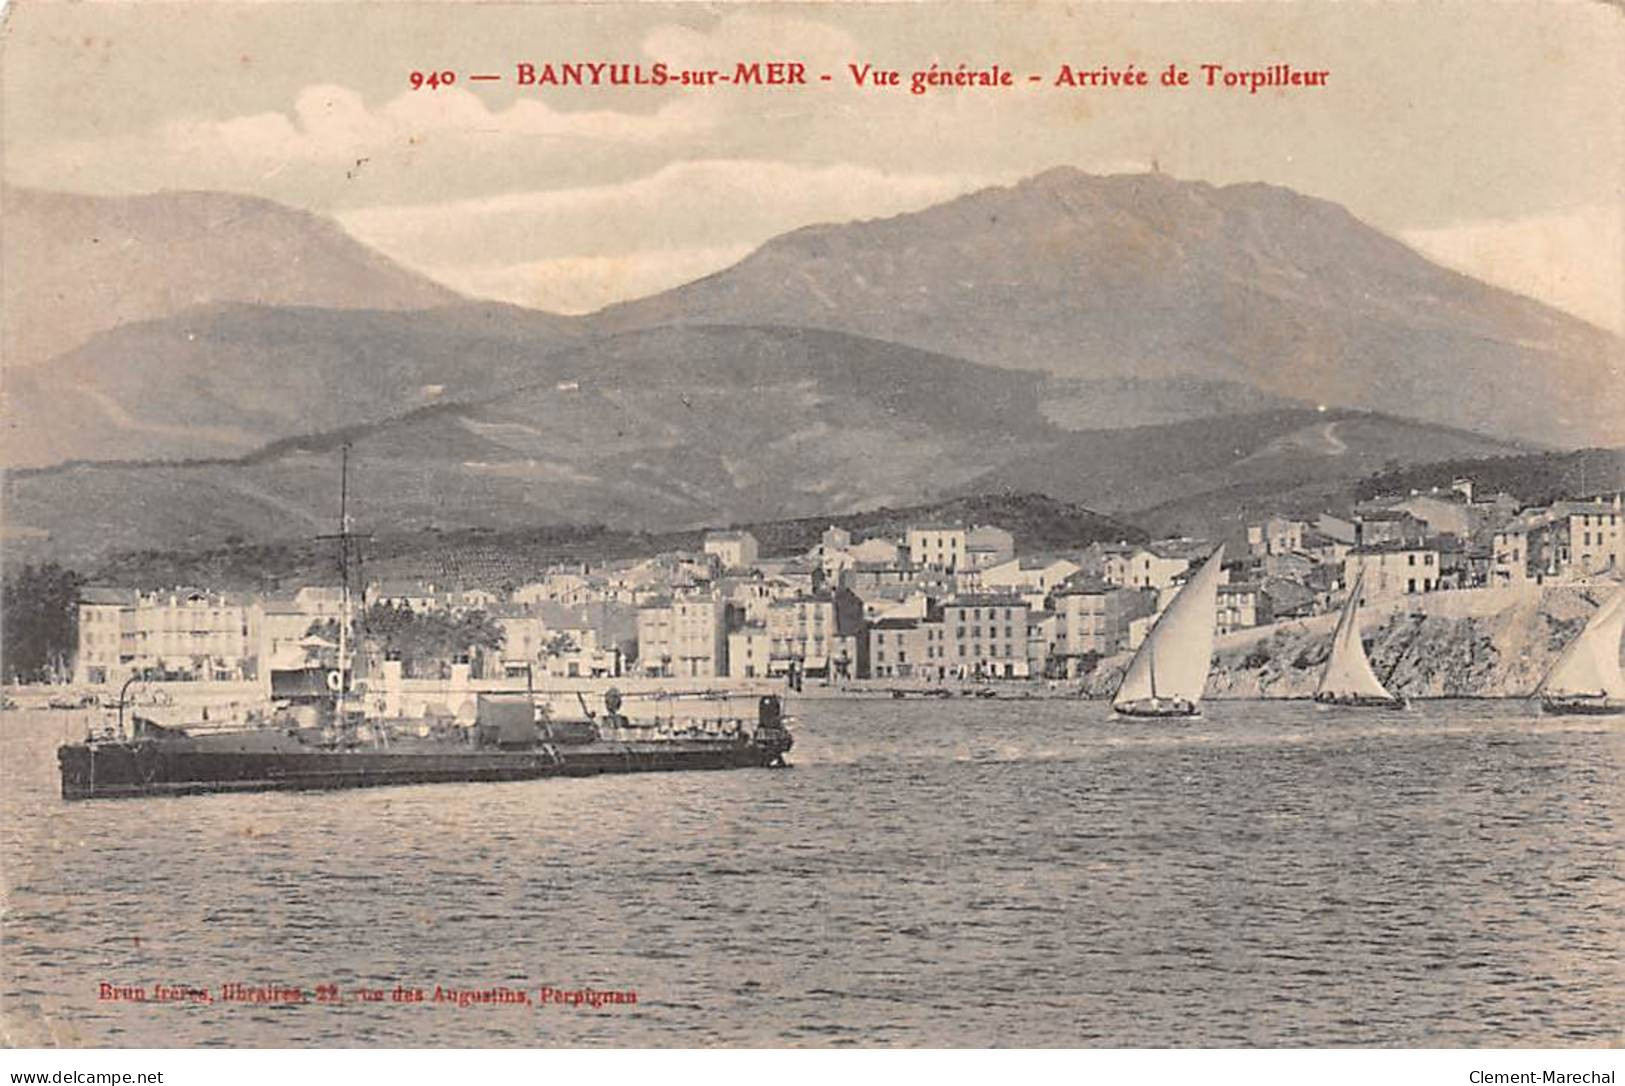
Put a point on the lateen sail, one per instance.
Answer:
(1348, 673)
(1173, 662)
(1590, 664)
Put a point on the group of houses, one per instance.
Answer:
(935, 601)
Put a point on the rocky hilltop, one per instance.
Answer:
(188, 325)
(76, 265)
(1477, 644)
(1152, 277)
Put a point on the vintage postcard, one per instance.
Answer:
(762, 525)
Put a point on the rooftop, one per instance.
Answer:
(1186, 548)
(101, 596)
(985, 601)
(1085, 584)
(1584, 508)
(1395, 547)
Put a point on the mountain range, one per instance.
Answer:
(677, 427)
(182, 367)
(1146, 276)
(76, 265)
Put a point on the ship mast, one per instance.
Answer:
(344, 578)
(1151, 650)
(343, 537)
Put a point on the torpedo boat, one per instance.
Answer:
(324, 747)
(318, 734)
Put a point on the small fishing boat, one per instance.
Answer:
(1167, 675)
(1348, 679)
(1586, 678)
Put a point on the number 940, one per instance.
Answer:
(432, 80)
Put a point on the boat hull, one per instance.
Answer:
(1361, 701)
(1159, 708)
(1582, 706)
(153, 768)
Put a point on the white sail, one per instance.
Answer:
(1348, 671)
(1173, 662)
(1590, 663)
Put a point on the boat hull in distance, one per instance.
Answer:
(1361, 701)
(1158, 707)
(1582, 706)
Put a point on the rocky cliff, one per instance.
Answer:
(1462, 644)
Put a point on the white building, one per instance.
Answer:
(877, 551)
(749, 651)
(1277, 535)
(1143, 568)
(685, 638)
(733, 549)
(900, 648)
(1028, 576)
(936, 546)
(1392, 569)
(182, 633)
(988, 545)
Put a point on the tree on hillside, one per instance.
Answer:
(425, 641)
(41, 622)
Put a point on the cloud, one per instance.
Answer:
(422, 143)
(520, 189)
(572, 250)
(333, 123)
(752, 35)
(581, 284)
(330, 148)
(693, 202)
(1570, 260)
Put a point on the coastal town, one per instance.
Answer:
(936, 602)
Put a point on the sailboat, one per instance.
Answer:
(1348, 678)
(1167, 675)
(1586, 677)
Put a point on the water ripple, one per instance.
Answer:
(927, 874)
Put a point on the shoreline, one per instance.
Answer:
(197, 695)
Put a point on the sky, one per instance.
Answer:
(1489, 136)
